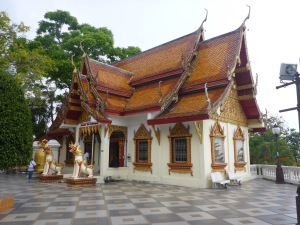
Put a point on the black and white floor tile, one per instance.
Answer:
(256, 202)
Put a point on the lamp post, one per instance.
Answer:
(279, 171)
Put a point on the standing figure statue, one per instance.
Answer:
(50, 163)
(80, 166)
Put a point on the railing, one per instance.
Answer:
(291, 173)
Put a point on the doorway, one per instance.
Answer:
(116, 149)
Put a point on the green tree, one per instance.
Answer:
(15, 122)
(263, 145)
(27, 62)
(293, 140)
(62, 37)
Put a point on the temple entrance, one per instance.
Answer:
(116, 149)
(92, 144)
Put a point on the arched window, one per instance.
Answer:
(142, 140)
(217, 148)
(180, 150)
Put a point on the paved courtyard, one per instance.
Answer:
(258, 202)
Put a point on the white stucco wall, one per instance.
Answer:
(200, 153)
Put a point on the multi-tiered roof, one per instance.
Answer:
(186, 79)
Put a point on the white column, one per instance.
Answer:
(54, 145)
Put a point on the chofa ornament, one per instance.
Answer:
(80, 166)
(50, 163)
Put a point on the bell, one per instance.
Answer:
(40, 159)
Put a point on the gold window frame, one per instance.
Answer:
(144, 135)
(217, 131)
(180, 131)
(239, 136)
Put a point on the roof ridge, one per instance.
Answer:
(112, 67)
(156, 47)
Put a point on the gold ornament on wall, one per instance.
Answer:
(199, 129)
(157, 133)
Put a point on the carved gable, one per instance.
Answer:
(179, 130)
(216, 130)
(232, 110)
(238, 134)
(142, 133)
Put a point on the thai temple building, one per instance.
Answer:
(172, 114)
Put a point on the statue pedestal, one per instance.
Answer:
(81, 182)
(50, 178)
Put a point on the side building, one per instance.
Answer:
(172, 114)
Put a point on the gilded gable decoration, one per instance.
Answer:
(232, 111)
(239, 149)
(84, 117)
(217, 148)
(157, 133)
(142, 140)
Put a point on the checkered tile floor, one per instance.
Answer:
(256, 202)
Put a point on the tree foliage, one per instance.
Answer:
(15, 122)
(263, 148)
(63, 37)
(28, 63)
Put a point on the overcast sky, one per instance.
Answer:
(271, 31)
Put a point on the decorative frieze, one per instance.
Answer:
(232, 111)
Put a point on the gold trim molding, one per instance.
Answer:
(180, 131)
(145, 135)
(243, 87)
(90, 130)
(246, 97)
(109, 129)
(239, 136)
(217, 131)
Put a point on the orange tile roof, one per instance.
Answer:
(148, 96)
(160, 59)
(114, 103)
(191, 105)
(214, 58)
(110, 77)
